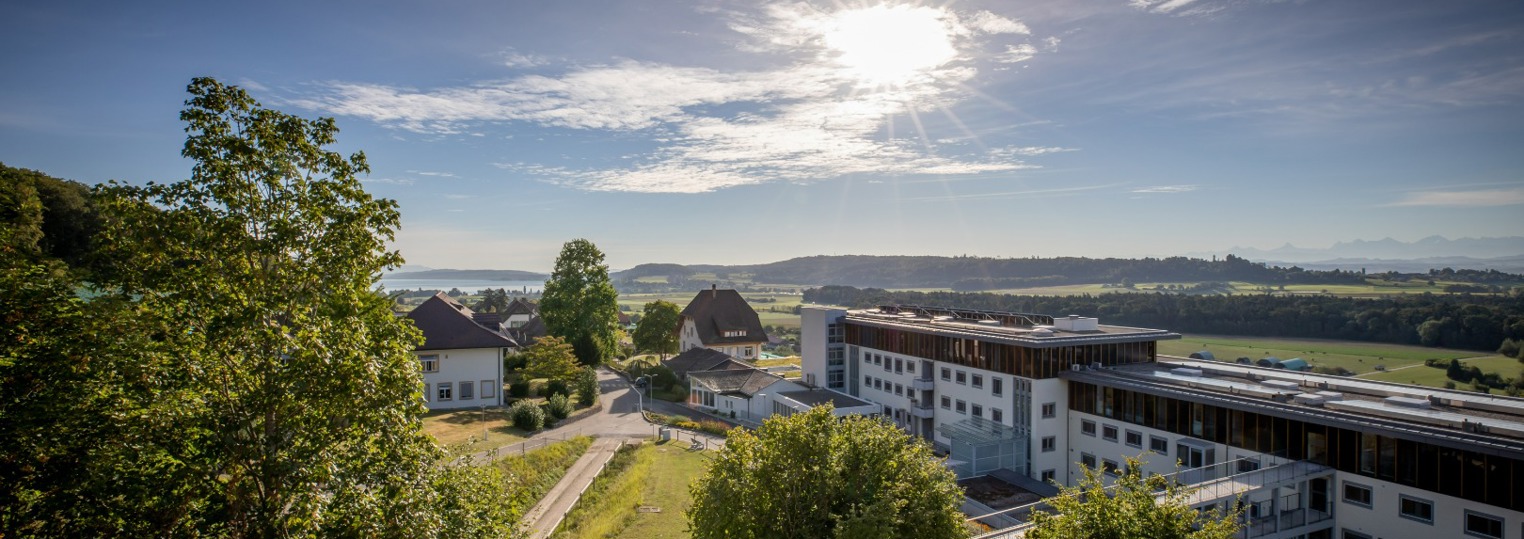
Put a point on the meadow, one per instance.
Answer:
(1397, 363)
(644, 498)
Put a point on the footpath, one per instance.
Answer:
(543, 518)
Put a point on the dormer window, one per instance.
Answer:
(735, 333)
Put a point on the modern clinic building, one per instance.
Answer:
(1035, 398)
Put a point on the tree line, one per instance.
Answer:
(1481, 322)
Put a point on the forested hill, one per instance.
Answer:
(1474, 322)
(977, 273)
(475, 275)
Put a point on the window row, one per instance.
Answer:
(961, 377)
(450, 391)
(897, 365)
(1471, 475)
(1134, 438)
(998, 357)
(888, 386)
(1474, 523)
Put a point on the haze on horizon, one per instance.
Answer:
(729, 132)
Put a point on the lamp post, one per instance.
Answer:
(640, 397)
(483, 418)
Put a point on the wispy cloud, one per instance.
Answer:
(806, 120)
(1464, 199)
(1166, 189)
(432, 173)
(1176, 7)
(1028, 193)
(388, 181)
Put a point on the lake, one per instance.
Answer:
(465, 285)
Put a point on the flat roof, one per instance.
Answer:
(817, 397)
(1029, 330)
(1460, 419)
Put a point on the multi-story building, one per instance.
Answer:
(1306, 455)
(462, 354)
(721, 320)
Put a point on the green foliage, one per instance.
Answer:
(472, 501)
(1510, 347)
(657, 330)
(527, 416)
(618, 486)
(236, 374)
(558, 406)
(551, 358)
(587, 387)
(557, 387)
(533, 474)
(662, 377)
(1128, 509)
(515, 362)
(58, 216)
(518, 390)
(580, 305)
(815, 475)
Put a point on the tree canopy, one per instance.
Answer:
(813, 475)
(235, 372)
(657, 330)
(1134, 507)
(580, 305)
(550, 357)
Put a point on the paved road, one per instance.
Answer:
(616, 418)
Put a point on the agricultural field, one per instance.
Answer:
(1358, 357)
(647, 499)
(774, 309)
(1506, 367)
(1372, 288)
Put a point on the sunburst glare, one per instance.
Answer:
(890, 45)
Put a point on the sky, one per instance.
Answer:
(748, 132)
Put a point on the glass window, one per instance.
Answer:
(489, 389)
(946, 402)
(1110, 467)
(1415, 509)
(910, 367)
(445, 391)
(430, 362)
(979, 381)
(1134, 438)
(1049, 444)
(961, 407)
(1087, 427)
(1351, 534)
(1088, 460)
(899, 389)
(1481, 525)
(467, 390)
(1048, 475)
(961, 377)
(1109, 433)
(1158, 445)
(996, 415)
(1049, 410)
(978, 411)
(997, 385)
(946, 373)
(1357, 494)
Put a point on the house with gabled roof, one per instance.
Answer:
(700, 360)
(751, 395)
(462, 354)
(721, 320)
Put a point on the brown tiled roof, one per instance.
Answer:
(715, 311)
(702, 359)
(448, 325)
(520, 306)
(745, 382)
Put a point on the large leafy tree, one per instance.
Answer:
(1134, 506)
(550, 357)
(252, 383)
(813, 475)
(657, 330)
(580, 304)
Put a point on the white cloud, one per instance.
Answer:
(1464, 199)
(807, 120)
(1029, 151)
(1175, 7)
(1166, 189)
(388, 181)
(432, 173)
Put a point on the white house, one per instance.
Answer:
(752, 395)
(462, 354)
(721, 320)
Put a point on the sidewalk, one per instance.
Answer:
(542, 519)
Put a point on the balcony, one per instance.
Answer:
(920, 409)
(922, 384)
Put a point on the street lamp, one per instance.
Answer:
(483, 418)
(640, 397)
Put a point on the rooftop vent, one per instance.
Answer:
(1310, 399)
(989, 322)
(1281, 384)
(1331, 395)
(1407, 402)
(1182, 371)
(1041, 332)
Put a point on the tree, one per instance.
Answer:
(815, 475)
(1132, 507)
(657, 330)
(1509, 348)
(246, 377)
(587, 386)
(551, 358)
(579, 303)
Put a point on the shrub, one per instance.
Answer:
(515, 362)
(518, 390)
(558, 406)
(587, 387)
(526, 415)
(714, 427)
(686, 424)
(662, 377)
(556, 387)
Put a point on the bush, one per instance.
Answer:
(1509, 348)
(662, 377)
(527, 416)
(714, 427)
(518, 390)
(558, 406)
(587, 387)
(556, 387)
(515, 362)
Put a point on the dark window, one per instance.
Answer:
(1351, 534)
(1049, 443)
(1481, 525)
(1047, 475)
(961, 377)
(1049, 410)
(961, 407)
(1109, 432)
(978, 411)
(1416, 509)
(997, 385)
(979, 381)
(1110, 467)
(1135, 438)
(1088, 460)
(996, 415)
(1158, 445)
(1357, 494)
(946, 373)
(1087, 427)
(946, 402)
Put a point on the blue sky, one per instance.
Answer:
(743, 132)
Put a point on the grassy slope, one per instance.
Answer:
(1507, 367)
(532, 475)
(459, 432)
(657, 477)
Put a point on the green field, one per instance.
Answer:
(1372, 288)
(774, 309)
(1506, 367)
(1358, 357)
(665, 470)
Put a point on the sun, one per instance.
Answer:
(889, 45)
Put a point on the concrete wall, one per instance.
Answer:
(478, 367)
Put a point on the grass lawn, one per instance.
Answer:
(459, 432)
(1359, 357)
(1506, 367)
(665, 470)
(765, 363)
(531, 475)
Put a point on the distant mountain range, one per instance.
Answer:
(1387, 254)
(467, 275)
